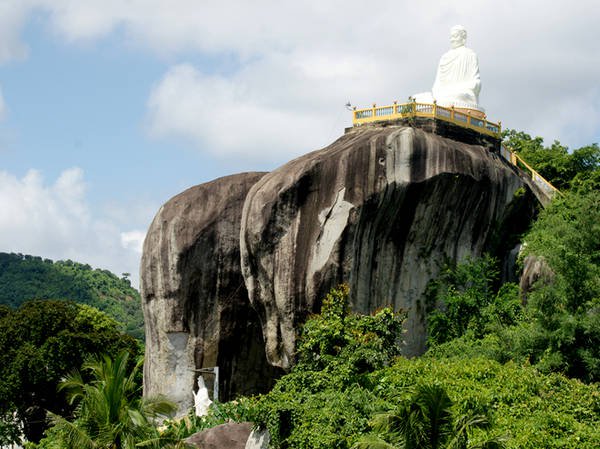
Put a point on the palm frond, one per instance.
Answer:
(70, 434)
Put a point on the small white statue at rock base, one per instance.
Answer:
(457, 83)
(201, 400)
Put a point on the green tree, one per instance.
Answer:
(327, 398)
(464, 301)
(110, 412)
(24, 278)
(41, 342)
(363, 342)
(566, 311)
(555, 163)
(427, 421)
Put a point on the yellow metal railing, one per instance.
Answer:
(458, 117)
(537, 179)
(413, 109)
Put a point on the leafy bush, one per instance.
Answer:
(326, 401)
(532, 409)
(427, 421)
(566, 312)
(330, 397)
(463, 301)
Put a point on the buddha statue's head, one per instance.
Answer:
(458, 36)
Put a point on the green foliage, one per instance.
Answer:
(463, 301)
(532, 409)
(555, 163)
(366, 342)
(326, 400)
(40, 342)
(301, 413)
(24, 278)
(427, 421)
(567, 310)
(330, 401)
(110, 412)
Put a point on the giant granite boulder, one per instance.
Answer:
(381, 209)
(232, 268)
(195, 303)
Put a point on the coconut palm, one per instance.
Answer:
(110, 412)
(426, 422)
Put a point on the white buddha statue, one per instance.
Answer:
(201, 400)
(457, 80)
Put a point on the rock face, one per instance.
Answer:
(232, 268)
(380, 209)
(195, 303)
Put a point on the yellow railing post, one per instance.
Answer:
(434, 108)
(374, 107)
(452, 114)
(395, 110)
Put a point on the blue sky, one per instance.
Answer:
(109, 108)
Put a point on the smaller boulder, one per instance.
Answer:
(258, 439)
(224, 436)
(535, 271)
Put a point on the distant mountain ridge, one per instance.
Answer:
(25, 277)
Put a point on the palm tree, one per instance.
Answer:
(427, 422)
(110, 412)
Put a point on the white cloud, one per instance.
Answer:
(133, 240)
(53, 220)
(228, 117)
(539, 73)
(13, 14)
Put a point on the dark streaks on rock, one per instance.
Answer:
(380, 209)
(194, 298)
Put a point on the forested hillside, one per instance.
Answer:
(24, 277)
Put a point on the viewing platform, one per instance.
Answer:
(464, 118)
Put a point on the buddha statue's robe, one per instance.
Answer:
(457, 81)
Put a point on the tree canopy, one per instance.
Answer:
(40, 342)
(110, 413)
(562, 168)
(333, 399)
(24, 277)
